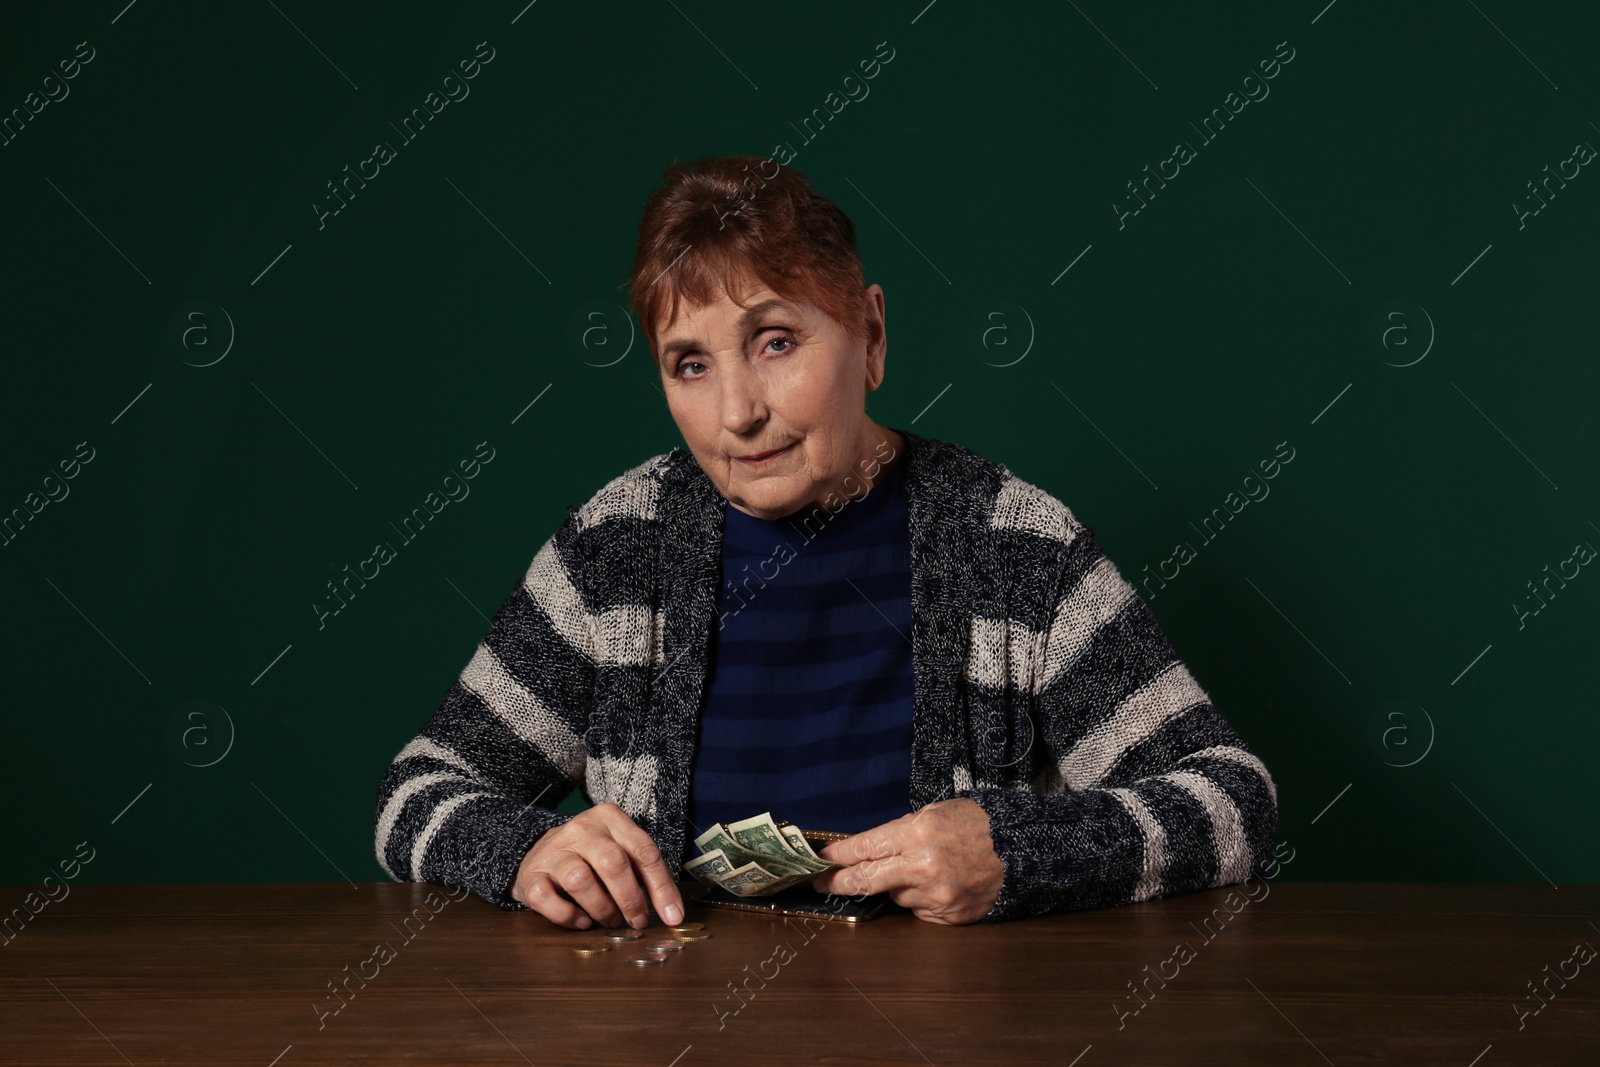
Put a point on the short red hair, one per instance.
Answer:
(719, 222)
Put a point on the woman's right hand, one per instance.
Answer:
(588, 870)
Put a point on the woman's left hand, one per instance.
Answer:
(938, 861)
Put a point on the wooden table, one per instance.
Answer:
(1308, 974)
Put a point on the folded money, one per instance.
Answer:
(755, 857)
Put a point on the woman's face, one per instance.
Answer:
(776, 374)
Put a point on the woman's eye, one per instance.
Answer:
(683, 364)
(783, 341)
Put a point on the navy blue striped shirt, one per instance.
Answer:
(808, 708)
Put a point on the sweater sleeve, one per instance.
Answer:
(464, 800)
(1154, 792)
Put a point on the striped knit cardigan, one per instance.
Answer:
(1044, 690)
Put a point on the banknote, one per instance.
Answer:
(755, 857)
(781, 861)
(798, 842)
(762, 836)
(751, 881)
(710, 866)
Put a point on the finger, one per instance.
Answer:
(868, 877)
(943, 910)
(879, 842)
(577, 880)
(541, 896)
(652, 867)
(938, 917)
(925, 903)
(836, 851)
(612, 863)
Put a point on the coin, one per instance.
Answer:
(692, 935)
(592, 950)
(624, 935)
(681, 927)
(645, 961)
(668, 945)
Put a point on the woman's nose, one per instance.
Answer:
(743, 397)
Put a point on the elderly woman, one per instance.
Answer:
(850, 625)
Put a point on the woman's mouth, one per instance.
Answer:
(758, 459)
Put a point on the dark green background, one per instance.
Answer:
(1173, 356)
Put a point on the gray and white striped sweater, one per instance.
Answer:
(1044, 689)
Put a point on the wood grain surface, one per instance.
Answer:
(1307, 974)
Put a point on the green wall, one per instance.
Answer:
(1140, 366)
